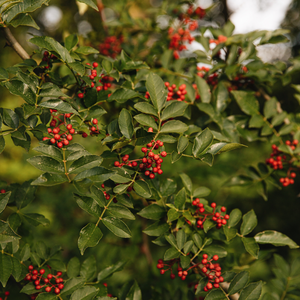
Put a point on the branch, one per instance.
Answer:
(11, 40)
(225, 286)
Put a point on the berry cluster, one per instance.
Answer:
(278, 158)
(202, 70)
(104, 80)
(111, 46)
(201, 215)
(150, 163)
(6, 294)
(41, 282)
(169, 267)
(178, 39)
(212, 271)
(221, 39)
(58, 137)
(196, 12)
(47, 57)
(178, 95)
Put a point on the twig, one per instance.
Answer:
(225, 286)
(11, 40)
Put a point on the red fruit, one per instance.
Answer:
(150, 129)
(162, 272)
(69, 126)
(66, 142)
(172, 276)
(60, 286)
(84, 135)
(295, 142)
(213, 205)
(37, 282)
(59, 144)
(80, 95)
(95, 121)
(287, 143)
(163, 154)
(49, 276)
(204, 269)
(151, 176)
(293, 175)
(117, 164)
(42, 271)
(38, 287)
(134, 164)
(160, 171)
(215, 257)
(67, 115)
(223, 208)
(150, 154)
(48, 289)
(6, 293)
(34, 272)
(205, 256)
(209, 286)
(57, 291)
(95, 64)
(3, 191)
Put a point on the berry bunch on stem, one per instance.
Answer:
(48, 282)
(111, 46)
(202, 215)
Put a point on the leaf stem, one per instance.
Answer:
(65, 164)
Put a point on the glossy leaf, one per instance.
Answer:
(215, 294)
(235, 217)
(89, 205)
(202, 142)
(180, 199)
(73, 267)
(183, 143)
(201, 192)
(117, 227)
(249, 222)
(134, 293)
(152, 212)
(187, 182)
(119, 211)
(85, 163)
(251, 246)
(171, 253)
(84, 293)
(146, 120)
(46, 163)
(71, 41)
(275, 238)
(247, 102)
(174, 126)
(59, 105)
(4, 200)
(142, 188)
(145, 108)
(174, 109)
(204, 90)
(156, 229)
(125, 123)
(110, 270)
(6, 268)
(49, 179)
(89, 236)
(95, 174)
(238, 282)
(252, 291)
(157, 91)
(50, 150)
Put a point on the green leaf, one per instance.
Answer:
(180, 199)
(197, 240)
(142, 188)
(174, 126)
(73, 267)
(215, 295)
(252, 291)
(6, 233)
(146, 120)
(173, 215)
(134, 293)
(89, 268)
(10, 118)
(2, 143)
(117, 227)
(152, 212)
(238, 282)
(222, 97)
(6, 268)
(52, 45)
(275, 238)
(187, 182)
(90, 3)
(95, 174)
(204, 90)
(120, 212)
(201, 192)
(110, 270)
(219, 148)
(99, 196)
(171, 253)
(24, 20)
(215, 250)
(251, 246)
(85, 163)
(235, 217)
(89, 205)
(89, 236)
(3, 74)
(46, 296)
(182, 144)
(146, 108)
(126, 123)
(247, 102)
(249, 222)
(174, 109)
(157, 91)
(156, 229)
(184, 261)
(59, 105)
(48, 179)
(168, 187)
(50, 150)
(86, 292)
(86, 50)
(4, 200)
(23, 7)
(47, 164)
(28, 289)
(36, 219)
(181, 238)
(71, 41)
(270, 108)
(187, 247)
(202, 142)
(71, 285)
(230, 233)
(121, 95)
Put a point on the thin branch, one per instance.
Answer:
(225, 286)
(11, 40)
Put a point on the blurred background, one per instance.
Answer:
(62, 18)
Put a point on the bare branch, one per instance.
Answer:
(11, 40)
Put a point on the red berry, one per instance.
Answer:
(57, 291)
(163, 154)
(215, 257)
(57, 137)
(223, 208)
(48, 289)
(150, 129)
(60, 286)
(72, 131)
(69, 126)
(151, 176)
(6, 293)
(287, 143)
(117, 164)
(84, 135)
(3, 191)
(205, 256)
(162, 272)
(95, 64)
(172, 276)
(59, 144)
(95, 121)
(38, 287)
(80, 95)
(213, 205)
(293, 175)
(34, 272)
(69, 137)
